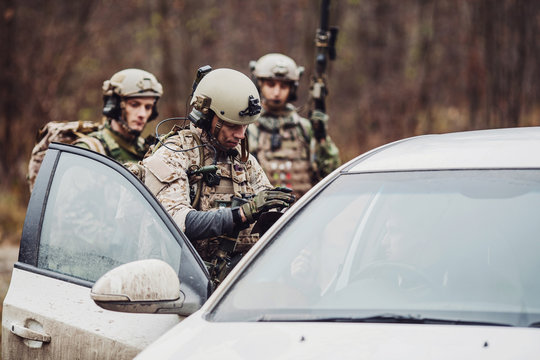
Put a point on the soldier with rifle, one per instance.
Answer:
(294, 152)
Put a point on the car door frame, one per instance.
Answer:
(31, 234)
(32, 226)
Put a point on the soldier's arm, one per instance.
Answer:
(326, 157)
(82, 145)
(207, 224)
(256, 176)
(168, 180)
(324, 151)
(90, 143)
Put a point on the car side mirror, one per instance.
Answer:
(143, 286)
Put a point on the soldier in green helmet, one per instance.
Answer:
(205, 177)
(130, 101)
(283, 142)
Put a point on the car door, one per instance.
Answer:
(88, 214)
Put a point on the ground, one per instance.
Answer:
(8, 256)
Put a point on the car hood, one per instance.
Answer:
(196, 338)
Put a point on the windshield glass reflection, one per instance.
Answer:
(448, 244)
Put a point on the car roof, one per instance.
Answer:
(480, 149)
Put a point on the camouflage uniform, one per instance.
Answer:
(114, 145)
(166, 176)
(286, 148)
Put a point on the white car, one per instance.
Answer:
(423, 248)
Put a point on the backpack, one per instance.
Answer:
(63, 132)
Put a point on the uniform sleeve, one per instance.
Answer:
(166, 177)
(207, 224)
(91, 142)
(326, 156)
(81, 145)
(257, 177)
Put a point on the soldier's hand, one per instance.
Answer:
(319, 122)
(277, 198)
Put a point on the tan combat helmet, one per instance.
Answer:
(231, 95)
(129, 83)
(133, 83)
(278, 67)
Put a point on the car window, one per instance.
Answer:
(457, 244)
(96, 220)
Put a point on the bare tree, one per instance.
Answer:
(8, 87)
(403, 68)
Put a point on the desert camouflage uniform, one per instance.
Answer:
(115, 145)
(295, 160)
(166, 176)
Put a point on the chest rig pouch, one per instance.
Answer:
(233, 190)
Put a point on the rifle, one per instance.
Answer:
(325, 40)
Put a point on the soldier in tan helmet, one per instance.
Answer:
(205, 177)
(130, 101)
(282, 141)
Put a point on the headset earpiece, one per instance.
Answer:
(201, 115)
(154, 113)
(292, 92)
(111, 106)
(200, 120)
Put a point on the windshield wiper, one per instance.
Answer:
(410, 319)
(382, 318)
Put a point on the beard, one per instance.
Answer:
(274, 105)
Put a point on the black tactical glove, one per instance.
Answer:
(277, 198)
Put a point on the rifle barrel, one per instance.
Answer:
(325, 11)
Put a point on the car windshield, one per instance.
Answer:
(447, 246)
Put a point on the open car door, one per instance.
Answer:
(88, 214)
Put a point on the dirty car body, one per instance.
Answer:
(423, 248)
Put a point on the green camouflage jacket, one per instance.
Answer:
(114, 145)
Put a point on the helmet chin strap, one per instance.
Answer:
(217, 128)
(130, 131)
(214, 136)
(214, 139)
(123, 123)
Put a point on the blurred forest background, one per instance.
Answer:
(403, 67)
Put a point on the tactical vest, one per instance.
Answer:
(283, 151)
(234, 183)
